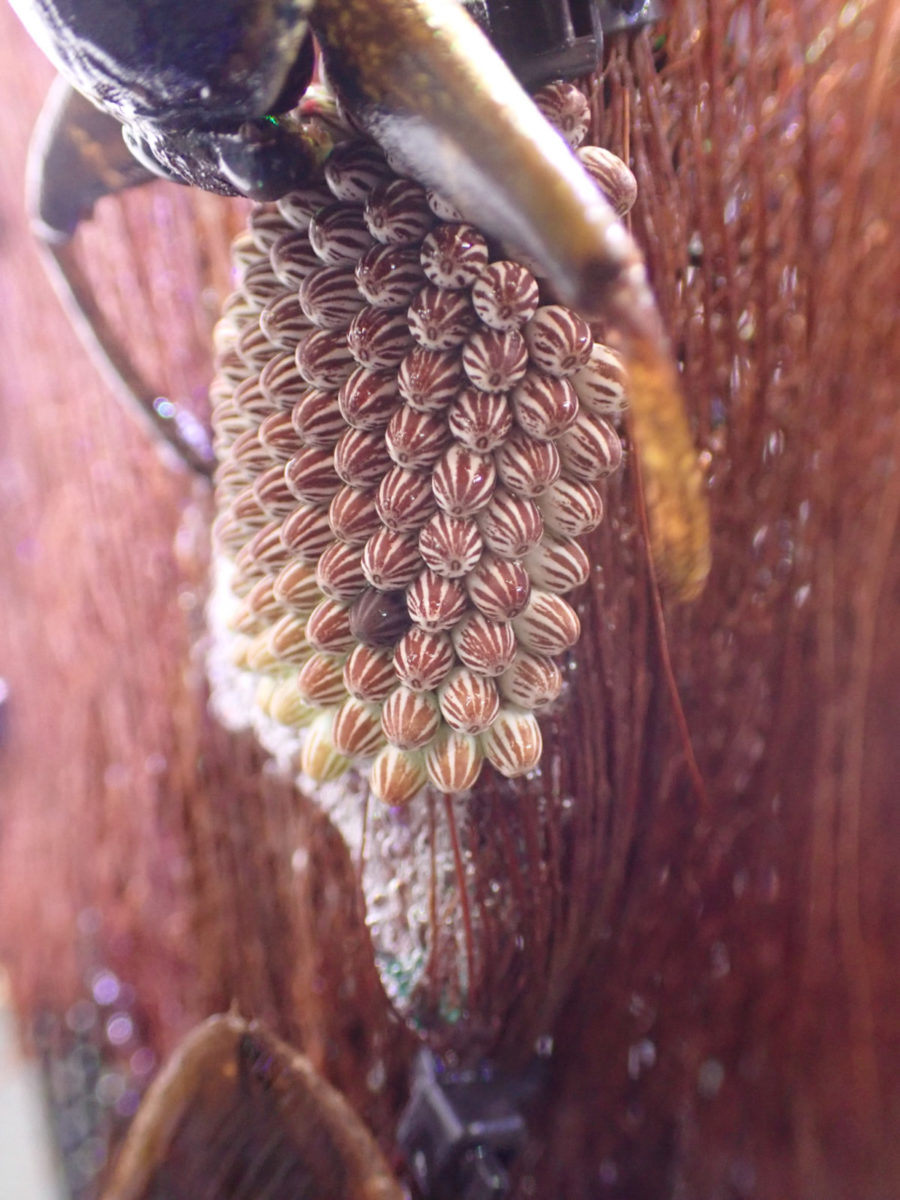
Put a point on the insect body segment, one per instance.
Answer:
(402, 549)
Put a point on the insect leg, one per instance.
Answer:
(77, 156)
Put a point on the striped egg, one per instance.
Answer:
(409, 441)
(499, 588)
(253, 345)
(242, 580)
(510, 525)
(480, 421)
(230, 533)
(505, 296)
(379, 618)
(298, 208)
(306, 532)
(397, 213)
(526, 466)
(249, 506)
(397, 775)
(324, 359)
(590, 449)
(379, 338)
(319, 758)
(513, 744)
(288, 639)
(405, 500)
(256, 654)
(339, 572)
(250, 453)
(453, 761)
(297, 588)
(232, 368)
(329, 297)
(236, 315)
(369, 673)
(310, 475)
(410, 719)
(557, 564)
(321, 679)
(423, 659)
(368, 399)
(354, 169)
(245, 253)
(567, 109)
(389, 276)
(273, 494)
(544, 406)
(548, 625)
(264, 224)
(390, 560)
(292, 258)
(328, 627)
(230, 478)
(228, 424)
(251, 402)
(352, 515)
(463, 481)
(338, 234)
(485, 646)
(570, 508)
(468, 702)
(453, 256)
(602, 383)
(281, 383)
(361, 458)
(260, 285)
(611, 175)
(531, 681)
(559, 341)
(357, 730)
(450, 546)
(286, 705)
(284, 322)
(266, 550)
(495, 360)
(415, 439)
(429, 379)
(316, 418)
(435, 602)
(440, 319)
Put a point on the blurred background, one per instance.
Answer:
(721, 990)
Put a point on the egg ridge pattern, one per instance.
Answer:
(417, 647)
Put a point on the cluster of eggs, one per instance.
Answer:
(409, 436)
